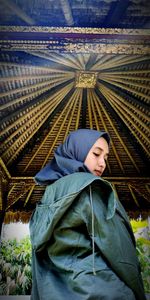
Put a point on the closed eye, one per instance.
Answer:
(96, 154)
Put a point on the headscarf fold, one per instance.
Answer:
(69, 157)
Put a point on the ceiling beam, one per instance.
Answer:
(18, 11)
(116, 13)
(31, 103)
(38, 135)
(126, 131)
(84, 108)
(125, 94)
(67, 12)
(144, 63)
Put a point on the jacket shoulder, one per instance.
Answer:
(73, 183)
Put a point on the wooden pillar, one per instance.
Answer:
(2, 215)
(4, 186)
(2, 210)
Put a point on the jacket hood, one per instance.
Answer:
(57, 199)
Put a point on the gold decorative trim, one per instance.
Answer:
(97, 48)
(107, 48)
(81, 30)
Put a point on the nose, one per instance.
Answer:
(101, 162)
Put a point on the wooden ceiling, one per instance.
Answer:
(91, 71)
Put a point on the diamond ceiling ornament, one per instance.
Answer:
(86, 79)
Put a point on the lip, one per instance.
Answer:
(98, 173)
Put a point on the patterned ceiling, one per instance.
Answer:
(83, 90)
(76, 13)
(57, 79)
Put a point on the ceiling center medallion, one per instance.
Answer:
(86, 79)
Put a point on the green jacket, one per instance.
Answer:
(83, 244)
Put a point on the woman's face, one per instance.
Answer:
(97, 156)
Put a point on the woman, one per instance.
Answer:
(82, 241)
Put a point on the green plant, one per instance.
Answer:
(15, 265)
(143, 252)
(141, 232)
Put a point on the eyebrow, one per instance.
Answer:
(101, 149)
